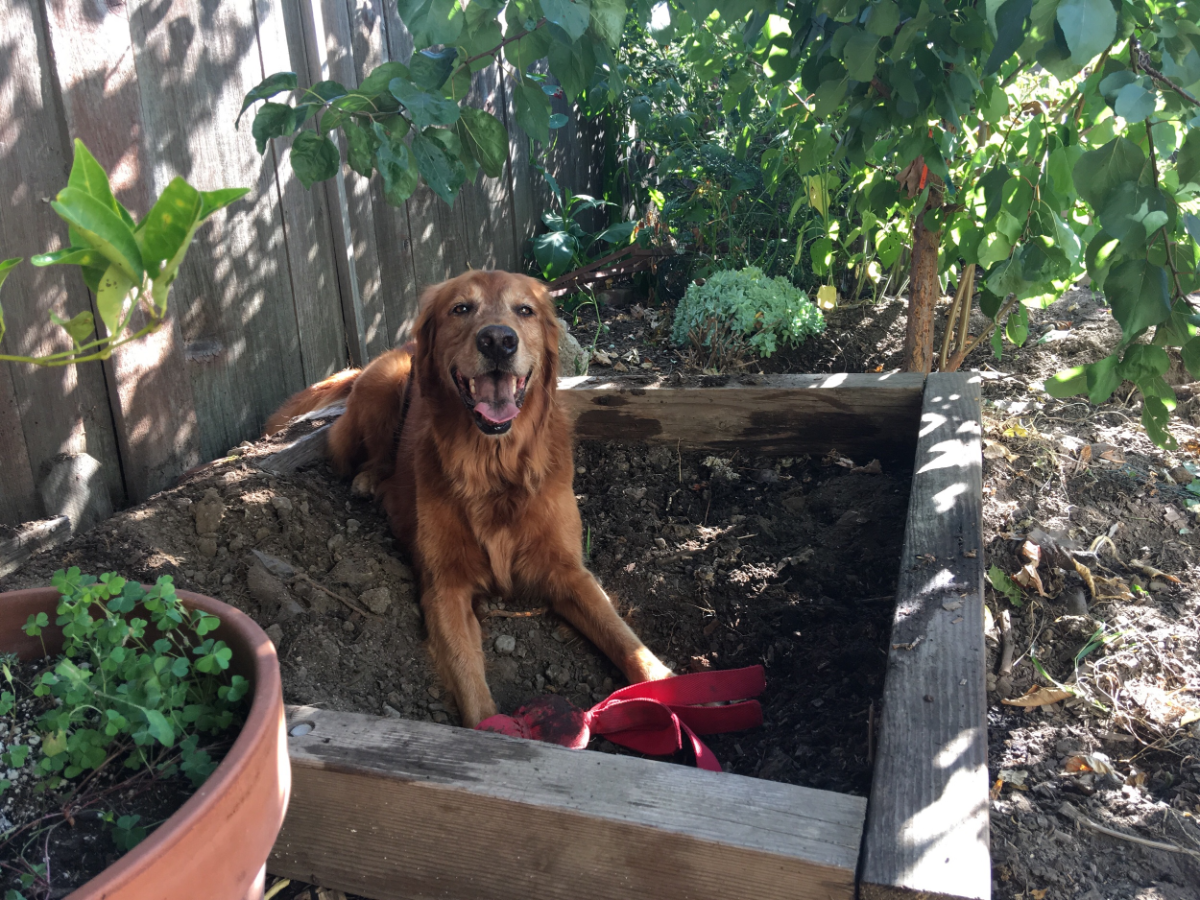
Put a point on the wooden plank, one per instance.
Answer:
(195, 62)
(31, 539)
(526, 200)
(864, 416)
(927, 825)
(361, 51)
(394, 809)
(61, 410)
(388, 40)
(19, 500)
(486, 204)
(149, 391)
(323, 285)
(317, 36)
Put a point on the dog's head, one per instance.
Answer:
(491, 338)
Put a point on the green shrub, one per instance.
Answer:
(769, 312)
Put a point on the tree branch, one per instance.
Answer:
(466, 63)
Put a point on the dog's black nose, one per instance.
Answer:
(496, 342)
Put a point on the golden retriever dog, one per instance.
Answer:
(460, 436)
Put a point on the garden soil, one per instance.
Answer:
(726, 562)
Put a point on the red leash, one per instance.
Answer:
(650, 717)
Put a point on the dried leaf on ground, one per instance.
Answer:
(996, 450)
(1028, 576)
(1090, 762)
(1039, 696)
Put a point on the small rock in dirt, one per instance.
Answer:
(391, 712)
(557, 674)
(396, 569)
(853, 517)
(572, 358)
(1159, 586)
(272, 564)
(208, 512)
(268, 590)
(352, 526)
(377, 600)
(336, 543)
(275, 633)
(1180, 475)
(440, 717)
(505, 670)
(348, 627)
(207, 547)
(1076, 602)
(355, 573)
(505, 644)
(283, 506)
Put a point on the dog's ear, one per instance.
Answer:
(550, 328)
(425, 332)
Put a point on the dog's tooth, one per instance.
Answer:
(472, 387)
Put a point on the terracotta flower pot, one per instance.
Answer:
(215, 846)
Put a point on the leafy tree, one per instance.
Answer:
(1026, 141)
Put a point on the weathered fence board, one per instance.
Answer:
(281, 289)
(59, 410)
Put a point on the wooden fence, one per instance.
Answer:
(280, 290)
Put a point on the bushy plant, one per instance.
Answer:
(127, 686)
(769, 312)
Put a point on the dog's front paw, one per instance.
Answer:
(363, 485)
(647, 667)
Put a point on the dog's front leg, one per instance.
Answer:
(578, 597)
(455, 641)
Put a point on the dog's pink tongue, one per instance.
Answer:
(495, 400)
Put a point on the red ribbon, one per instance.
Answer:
(651, 717)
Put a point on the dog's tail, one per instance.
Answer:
(318, 396)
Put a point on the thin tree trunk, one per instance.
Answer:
(924, 291)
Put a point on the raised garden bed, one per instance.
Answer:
(389, 808)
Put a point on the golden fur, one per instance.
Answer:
(480, 512)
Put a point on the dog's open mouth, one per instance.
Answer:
(494, 397)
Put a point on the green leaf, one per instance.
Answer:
(102, 229)
(429, 69)
(1010, 27)
(996, 107)
(1143, 362)
(71, 256)
(859, 55)
(211, 201)
(374, 84)
(443, 175)
(89, 176)
(9, 264)
(1102, 379)
(486, 139)
(1187, 164)
(431, 22)
(1004, 585)
(1100, 172)
(425, 109)
(275, 84)
(314, 158)
(394, 163)
(529, 49)
(617, 234)
(1016, 327)
(1089, 27)
(884, 18)
(1134, 103)
(361, 145)
(1131, 213)
(568, 65)
(1137, 292)
(1190, 353)
(571, 17)
(326, 91)
(1156, 415)
(554, 253)
(533, 110)
(160, 729)
(169, 227)
(110, 299)
(821, 254)
(79, 326)
(1067, 383)
(608, 21)
(273, 120)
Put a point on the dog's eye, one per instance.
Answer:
(460, 309)
(525, 310)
